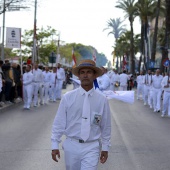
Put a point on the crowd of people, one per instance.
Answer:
(151, 87)
(34, 84)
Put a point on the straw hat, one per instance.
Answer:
(87, 64)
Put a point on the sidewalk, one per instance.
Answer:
(7, 106)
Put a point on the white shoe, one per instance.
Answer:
(150, 107)
(162, 115)
(154, 110)
(144, 104)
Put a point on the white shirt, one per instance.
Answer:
(148, 79)
(103, 82)
(123, 78)
(114, 78)
(53, 78)
(38, 75)
(27, 78)
(61, 74)
(156, 81)
(165, 83)
(140, 79)
(46, 76)
(69, 116)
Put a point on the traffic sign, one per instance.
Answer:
(166, 62)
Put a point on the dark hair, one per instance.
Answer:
(1, 62)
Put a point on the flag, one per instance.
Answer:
(13, 37)
(74, 63)
(124, 62)
(94, 56)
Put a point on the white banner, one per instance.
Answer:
(13, 37)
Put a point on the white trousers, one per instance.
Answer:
(36, 87)
(157, 98)
(27, 93)
(81, 156)
(140, 91)
(146, 94)
(123, 88)
(166, 103)
(59, 85)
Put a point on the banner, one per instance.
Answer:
(74, 63)
(13, 37)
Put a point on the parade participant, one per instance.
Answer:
(140, 85)
(146, 81)
(157, 90)
(166, 96)
(114, 81)
(27, 87)
(53, 85)
(46, 76)
(37, 80)
(103, 80)
(60, 80)
(84, 121)
(123, 78)
(41, 88)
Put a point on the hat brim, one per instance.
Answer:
(97, 70)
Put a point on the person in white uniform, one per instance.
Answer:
(114, 81)
(60, 79)
(140, 86)
(27, 87)
(37, 81)
(46, 75)
(103, 80)
(157, 90)
(166, 96)
(146, 81)
(123, 78)
(53, 85)
(83, 147)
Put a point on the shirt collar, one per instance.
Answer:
(82, 91)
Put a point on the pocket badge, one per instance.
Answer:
(97, 119)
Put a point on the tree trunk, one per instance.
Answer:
(155, 32)
(132, 68)
(167, 34)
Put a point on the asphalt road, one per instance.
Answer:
(140, 138)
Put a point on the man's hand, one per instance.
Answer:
(103, 156)
(55, 153)
(166, 86)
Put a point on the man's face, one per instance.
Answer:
(157, 72)
(87, 76)
(28, 69)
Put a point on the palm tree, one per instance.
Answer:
(167, 34)
(145, 11)
(117, 29)
(129, 8)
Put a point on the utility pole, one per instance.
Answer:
(34, 56)
(3, 32)
(14, 5)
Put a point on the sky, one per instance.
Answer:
(79, 21)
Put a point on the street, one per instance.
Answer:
(140, 138)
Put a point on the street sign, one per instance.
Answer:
(166, 62)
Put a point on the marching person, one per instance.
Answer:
(46, 75)
(103, 80)
(60, 79)
(85, 122)
(27, 87)
(53, 82)
(146, 81)
(123, 78)
(157, 90)
(37, 80)
(114, 81)
(166, 96)
(140, 86)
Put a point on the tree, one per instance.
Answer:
(128, 6)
